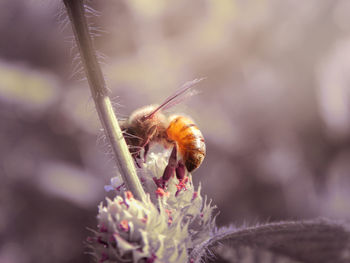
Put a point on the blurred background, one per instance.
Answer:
(274, 110)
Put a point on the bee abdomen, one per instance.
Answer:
(193, 159)
(189, 140)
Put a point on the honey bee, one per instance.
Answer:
(149, 125)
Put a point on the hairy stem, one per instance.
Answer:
(99, 92)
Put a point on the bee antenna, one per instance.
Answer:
(184, 88)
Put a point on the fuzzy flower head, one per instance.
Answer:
(162, 228)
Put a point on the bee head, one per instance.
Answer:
(123, 124)
(143, 118)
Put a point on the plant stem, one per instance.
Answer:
(99, 92)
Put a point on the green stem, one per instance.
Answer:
(99, 92)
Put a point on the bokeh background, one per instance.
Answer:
(274, 109)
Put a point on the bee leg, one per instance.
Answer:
(169, 169)
(180, 171)
(152, 131)
(137, 157)
(146, 148)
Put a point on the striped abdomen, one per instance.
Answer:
(189, 140)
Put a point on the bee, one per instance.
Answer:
(149, 125)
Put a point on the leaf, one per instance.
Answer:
(312, 241)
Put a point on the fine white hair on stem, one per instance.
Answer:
(97, 83)
(90, 10)
(95, 31)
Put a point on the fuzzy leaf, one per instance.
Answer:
(313, 241)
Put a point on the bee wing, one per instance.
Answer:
(184, 92)
(189, 93)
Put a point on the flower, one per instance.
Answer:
(160, 229)
(116, 184)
